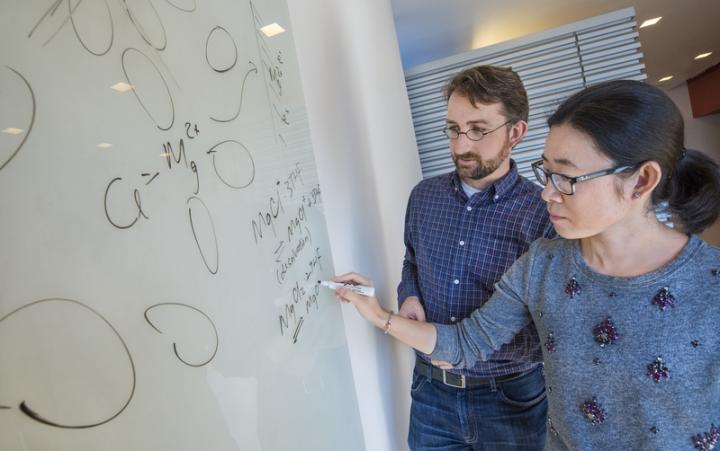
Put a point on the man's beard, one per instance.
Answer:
(484, 168)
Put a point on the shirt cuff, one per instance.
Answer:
(405, 293)
(446, 344)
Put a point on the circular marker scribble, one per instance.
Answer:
(53, 8)
(233, 164)
(15, 150)
(168, 123)
(217, 34)
(209, 243)
(164, 305)
(45, 417)
(187, 10)
(71, 14)
(141, 30)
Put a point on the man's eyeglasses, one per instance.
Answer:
(565, 184)
(473, 134)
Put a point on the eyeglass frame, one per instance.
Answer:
(536, 166)
(482, 133)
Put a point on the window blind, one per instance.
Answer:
(553, 65)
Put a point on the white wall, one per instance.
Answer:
(701, 134)
(367, 163)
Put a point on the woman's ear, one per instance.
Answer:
(647, 177)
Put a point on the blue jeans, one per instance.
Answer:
(507, 416)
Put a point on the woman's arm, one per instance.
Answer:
(416, 334)
(473, 339)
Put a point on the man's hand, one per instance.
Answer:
(442, 364)
(412, 309)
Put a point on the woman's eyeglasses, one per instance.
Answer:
(565, 184)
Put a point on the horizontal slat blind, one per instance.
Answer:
(552, 64)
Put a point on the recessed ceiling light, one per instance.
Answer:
(272, 29)
(13, 131)
(703, 55)
(649, 22)
(121, 87)
(104, 145)
(669, 77)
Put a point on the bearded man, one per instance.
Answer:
(462, 231)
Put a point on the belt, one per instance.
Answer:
(458, 380)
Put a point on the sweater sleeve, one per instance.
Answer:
(492, 325)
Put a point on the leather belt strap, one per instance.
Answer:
(458, 380)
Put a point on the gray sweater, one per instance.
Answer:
(631, 363)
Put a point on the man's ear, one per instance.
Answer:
(517, 131)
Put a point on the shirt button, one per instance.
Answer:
(462, 243)
(469, 208)
(496, 197)
(453, 319)
(456, 282)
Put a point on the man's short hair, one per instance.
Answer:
(492, 84)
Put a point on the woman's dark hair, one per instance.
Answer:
(632, 122)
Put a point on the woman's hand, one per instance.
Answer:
(419, 335)
(368, 306)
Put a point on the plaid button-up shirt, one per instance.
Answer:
(457, 248)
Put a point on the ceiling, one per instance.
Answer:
(431, 29)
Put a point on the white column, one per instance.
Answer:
(367, 163)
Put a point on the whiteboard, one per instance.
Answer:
(162, 231)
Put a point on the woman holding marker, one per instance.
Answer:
(627, 309)
(360, 289)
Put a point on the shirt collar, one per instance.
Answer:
(501, 187)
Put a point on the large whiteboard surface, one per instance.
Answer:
(161, 233)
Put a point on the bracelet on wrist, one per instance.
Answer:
(388, 322)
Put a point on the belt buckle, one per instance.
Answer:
(462, 380)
